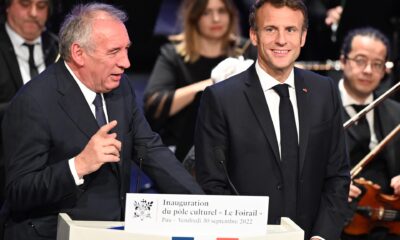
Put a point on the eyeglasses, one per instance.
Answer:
(362, 62)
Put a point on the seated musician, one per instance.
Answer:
(363, 56)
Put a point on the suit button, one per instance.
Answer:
(279, 187)
(122, 199)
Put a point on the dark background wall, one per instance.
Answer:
(142, 18)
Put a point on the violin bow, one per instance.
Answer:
(357, 169)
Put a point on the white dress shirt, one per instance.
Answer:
(22, 53)
(273, 99)
(89, 97)
(347, 101)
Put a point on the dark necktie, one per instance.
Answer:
(289, 150)
(32, 66)
(364, 136)
(100, 116)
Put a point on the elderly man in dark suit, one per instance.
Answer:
(70, 134)
(277, 130)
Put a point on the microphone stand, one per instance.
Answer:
(220, 159)
(371, 106)
(141, 153)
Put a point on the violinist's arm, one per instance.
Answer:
(395, 184)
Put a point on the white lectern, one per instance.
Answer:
(68, 229)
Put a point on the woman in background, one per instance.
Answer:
(182, 71)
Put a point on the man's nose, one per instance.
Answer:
(124, 61)
(281, 38)
(368, 68)
(33, 10)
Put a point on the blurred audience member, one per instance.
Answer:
(343, 16)
(210, 34)
(26, 48)
(24, 33)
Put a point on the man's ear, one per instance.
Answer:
(342, 61)
(303, 37)
(77, 54)
(253, 37)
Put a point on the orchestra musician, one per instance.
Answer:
(363, 56)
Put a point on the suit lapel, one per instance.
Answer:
(258, 104)
(115, 111)
(9, 55)
(74, 103)
(386, 125)
(350, 131)
(303, 113)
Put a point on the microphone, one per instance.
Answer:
(141, 152)
(220, 158)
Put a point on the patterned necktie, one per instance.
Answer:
(33, 71)
(100, 116)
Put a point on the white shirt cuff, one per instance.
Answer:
(318, 237)
(78, 181)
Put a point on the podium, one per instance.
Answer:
(68, 229)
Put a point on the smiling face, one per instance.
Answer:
(279, 37)
(214, 22)
(360, 81)
(103, 65)
(28, 17)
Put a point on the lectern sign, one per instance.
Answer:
(196, 215)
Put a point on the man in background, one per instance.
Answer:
(26, 49)
(23, 33)
(363, 57)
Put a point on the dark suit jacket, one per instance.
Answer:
(387, 117)
(11, 79)
(234, 115)
(50, 122)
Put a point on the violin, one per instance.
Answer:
(374, 209)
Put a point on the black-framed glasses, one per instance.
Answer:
(362, 62)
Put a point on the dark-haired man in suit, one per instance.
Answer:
(70, 134)
(278, 129)
(363, 56)
(24, 24)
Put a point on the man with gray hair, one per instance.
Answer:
(70, 134)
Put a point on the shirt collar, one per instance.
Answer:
(87, 93)
(347, 100)
(17, 40)
(268, 82)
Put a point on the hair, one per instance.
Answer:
(7, 3)
(77, 26)
(365, 32)
(190, 14)
(292, 4)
